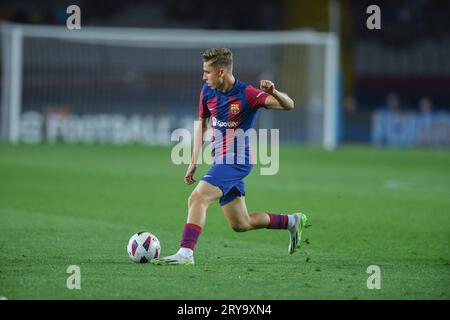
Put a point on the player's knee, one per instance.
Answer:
(196, 198)
(193, 198)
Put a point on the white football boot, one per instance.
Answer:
(295, 232)
(176, 259)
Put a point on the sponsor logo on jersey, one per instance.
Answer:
(223, 124)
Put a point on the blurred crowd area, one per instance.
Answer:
(428, 18)
(401, 70)
(236, 14)
(407, 20)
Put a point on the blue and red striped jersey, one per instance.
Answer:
(230, 111)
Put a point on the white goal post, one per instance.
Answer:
(85, 70)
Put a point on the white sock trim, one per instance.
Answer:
(186, 252)
(291, 221)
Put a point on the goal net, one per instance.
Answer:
(126, 85)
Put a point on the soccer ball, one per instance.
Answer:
(143, 247)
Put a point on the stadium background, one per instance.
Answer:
(381, 197)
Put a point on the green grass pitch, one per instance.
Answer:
(64, 205)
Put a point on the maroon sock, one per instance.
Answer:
(190, 235)
(278, 221)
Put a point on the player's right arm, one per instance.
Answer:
(199, 134)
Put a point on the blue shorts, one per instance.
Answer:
(229, 178)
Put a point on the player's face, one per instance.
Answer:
(212, 76)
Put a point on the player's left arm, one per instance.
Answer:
(276, 100)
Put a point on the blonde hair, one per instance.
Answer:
(219, 57)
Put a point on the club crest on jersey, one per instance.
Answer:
(235, 108)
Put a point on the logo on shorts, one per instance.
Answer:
(235, 108)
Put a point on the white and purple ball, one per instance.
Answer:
(143, 247)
